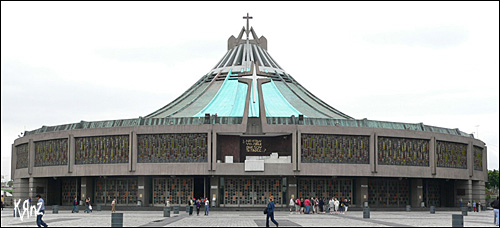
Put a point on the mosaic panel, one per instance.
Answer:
(102, 150)
(403, 151)
(124, 190)
(51, 152)
(22, 153)
(388, 192)
(478, 158)
(172, 148)
(326, 148)
(451, 155)
(175, 190)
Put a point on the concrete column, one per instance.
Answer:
(432, 155)
(362, 197)
(132, 151)
(292, 188)
(485, 163)
(417, 192)
(86, 186)
(299, 150)
(31, 156)
(209, 149)
(71, 150)
(294, 149)
(478, 192)
(373, 157)
(13, 162)
(470, 159)
(214, 150)
(143, 187)
(214, 191)
(37, 186)
(20, 189)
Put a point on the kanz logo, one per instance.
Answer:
(29, 211)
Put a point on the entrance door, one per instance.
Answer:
(199, 187)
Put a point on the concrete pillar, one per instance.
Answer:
(464, 186)
(362, 197)
(20, 189)
(478, 192)
(485, 163)
(13, 162)
(31, 156)
(132, 151)
(143, 188)
(71, 149)
(37, 186)
(86, 186)
(209, 149)
(214, 150)
(299, 151)
(432, 155)
(214, 191)
(417, 192)
(470, 159)
(292, 188)
(373, 155)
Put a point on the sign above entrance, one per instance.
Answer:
(252, 145)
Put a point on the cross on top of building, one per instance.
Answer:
(248, 22)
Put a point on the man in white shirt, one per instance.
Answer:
(207, 205)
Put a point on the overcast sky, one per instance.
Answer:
(430, 62)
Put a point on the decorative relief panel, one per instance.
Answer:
(22, 154)
(324, 148)
(172, 148)
(478, 158)
(403, 151)
(451, 155)
(51, 152)
(102, 150)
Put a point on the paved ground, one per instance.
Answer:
(251, 218)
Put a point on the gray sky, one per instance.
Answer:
(430, 62)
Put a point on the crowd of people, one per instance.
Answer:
(51, 152)
(102, 150)
(318, 205)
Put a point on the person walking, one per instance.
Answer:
(90, 206)
(331, 205)
(494, 205)
(191, 203)
(29, 202)
(474, 206)
(198, 205)
(307, 203)
(3, 201)
(113, 206)
(302, 206)
(337, 204)
(313, 205)
(292, 205)
(346, 205)
(270, 212)
(297, 206)
(41, 210)
(87, 202)
(75, 206)
(469, 207)
(207, 205)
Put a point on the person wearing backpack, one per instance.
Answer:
(270, 212)
(297, 205)
(494, 205)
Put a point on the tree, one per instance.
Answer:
(492, 179)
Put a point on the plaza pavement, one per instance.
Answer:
(251, 219)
